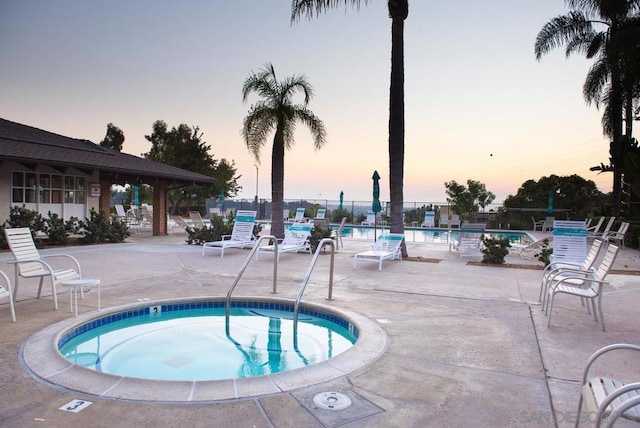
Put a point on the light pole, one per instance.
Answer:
(256, 200)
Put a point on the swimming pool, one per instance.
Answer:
(255, 340)
(427, 235)
(41, 358)
(433, 235)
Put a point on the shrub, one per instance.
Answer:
(99, 229)
(495, 250)
(58, 230)
(545, 253)
(24, 217)
(200, 235)
(317, 234)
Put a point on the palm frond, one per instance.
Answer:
(311, 8)
(562, 30)
(596, 82)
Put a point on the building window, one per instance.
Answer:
(31, 187)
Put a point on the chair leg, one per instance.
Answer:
(40, 287)
(600, 309)
(550, 309)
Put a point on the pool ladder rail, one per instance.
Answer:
(272, 239)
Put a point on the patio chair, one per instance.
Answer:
(470, 242)
(370, 220)
(28, 262)
(197, 219)
(386, 247)
(321, 213)
(285, 215)
(429, 219)
(618, 236)
(586, 285)
(554, 270)
(607, 399)
(537, 224)
(454, 221)
(605, 232)
(300, 218)
(296, 239)
(336, 234)
(6, 293)
(444, 220)
(241, 234)
(121, 214)
(592, 230)
(548, 224)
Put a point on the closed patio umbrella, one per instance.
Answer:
(375, 206)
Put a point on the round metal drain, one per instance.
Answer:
(332, 400)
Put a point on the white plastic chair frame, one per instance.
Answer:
(609, 398)
(6, 292)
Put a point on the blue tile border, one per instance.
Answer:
(182, 306)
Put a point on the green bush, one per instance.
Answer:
(98, 229)
(495, 250)
(336, 215)
(317, 234)
(200, 235)
(58, 230)
(24, 217)
(545, 253)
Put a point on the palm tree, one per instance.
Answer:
(398, 12)
(277, 112)
(600, 29)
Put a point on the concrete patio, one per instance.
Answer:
(467, 345)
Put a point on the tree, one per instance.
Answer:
(114, 138)
(572, 192)
(466, 200)
(184, 148)
(610, 79)
(276, 112)
(398, 12)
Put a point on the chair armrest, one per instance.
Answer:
(68, 256)
(602, 351)
(623, 406)
(225, 237)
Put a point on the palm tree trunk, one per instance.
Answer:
(277, 185)
(396, 128)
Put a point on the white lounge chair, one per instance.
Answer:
(618, 236)
(605, 232)
(470, 242)
(370, 220)
(5, 292)
(586, 285)
(296, 239)
(321, 213)
(386, 247)
(29, 263)
(300, 218)
(593, 230)
(569, 241)
(121, 214)
(454, 221)
(429, 219)
(444, 220)
(197, 219)
(608, 399)
(241, 235)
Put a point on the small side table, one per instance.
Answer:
(77, 286)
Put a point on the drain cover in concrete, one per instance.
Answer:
(332, 400)
(335, 408)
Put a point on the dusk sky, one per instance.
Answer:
(477, 103)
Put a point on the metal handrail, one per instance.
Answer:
(305, 281)
(271, 238)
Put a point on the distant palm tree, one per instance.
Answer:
(277, 112)
(398, 12)
(601, 30)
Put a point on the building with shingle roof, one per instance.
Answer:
(46, 172)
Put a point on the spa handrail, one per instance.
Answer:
(305, 281)
(271, 238)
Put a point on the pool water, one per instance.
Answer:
(193, 344)
(433, 235)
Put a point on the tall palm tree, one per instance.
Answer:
(398, 12)
(599, 29)
(277, 112)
